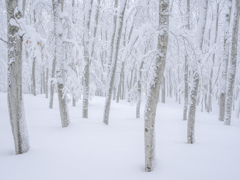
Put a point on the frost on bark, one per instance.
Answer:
(233, 63)
(223, 84)
(58, 54)
(152, 99)
(86, 59)
(116, 45)
(110, 54)
(185, 89)
(194, 89)
(15, 95)
(185, 109)
(139, 90)
(213, 62)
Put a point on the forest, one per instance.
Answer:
(110, 89)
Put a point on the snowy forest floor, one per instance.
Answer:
(90, 150)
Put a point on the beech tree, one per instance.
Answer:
(15, 14)
(157, 77)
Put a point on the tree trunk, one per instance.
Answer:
(233, 65)
(163, 91)
(223, 84)
(152, 99)
(139, 92)
(185, 89)
(116, 45)
(47, 83)
(194, 91)
(110, 56)
(60, 71)
(86, 59)
(15, 96)
(34, 76)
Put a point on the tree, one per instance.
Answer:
(60, 70)
(86, 58)
(233, 65)
(15, 13)
(112, 74)
(194, 89)
(157, 77)
(223, 83)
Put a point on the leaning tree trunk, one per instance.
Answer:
(194, 90)
(15, 95)
(60, 71)
(86, 59)
(116, 45)
(223, 84)
(233, 65)
(110, 53)
(152, 99)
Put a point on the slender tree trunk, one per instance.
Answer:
(44, 81)
(233, 65)
(139, 92)
(110, 56)
(73, 102)
(223, 84)
(185, 89)
(117, 39)
(34, 76)
(47, 83)
(86, 59)
(163, 91)
(194, 90)
(15, 96)
(120, 83)
(60, 71)
(152, 99)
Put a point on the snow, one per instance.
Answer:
(90, 150)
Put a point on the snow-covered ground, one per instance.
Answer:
(90, 150)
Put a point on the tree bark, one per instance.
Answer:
(60, 71)
(139, 92)
(86, 59)
(15, 95)
(233, 65)
(116, 44)
(223, 84)
(194, 90)
(152, 99)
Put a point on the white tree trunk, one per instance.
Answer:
(163, 91)
(58, 54)
(47, 83)
(185, 89)
(225, 61)
(116, 44)
(110, 54)
(194, 90)
(233, 65)
(15, 96)
(152, 99)
(139, 92)
(34, 76)
(86, 58)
